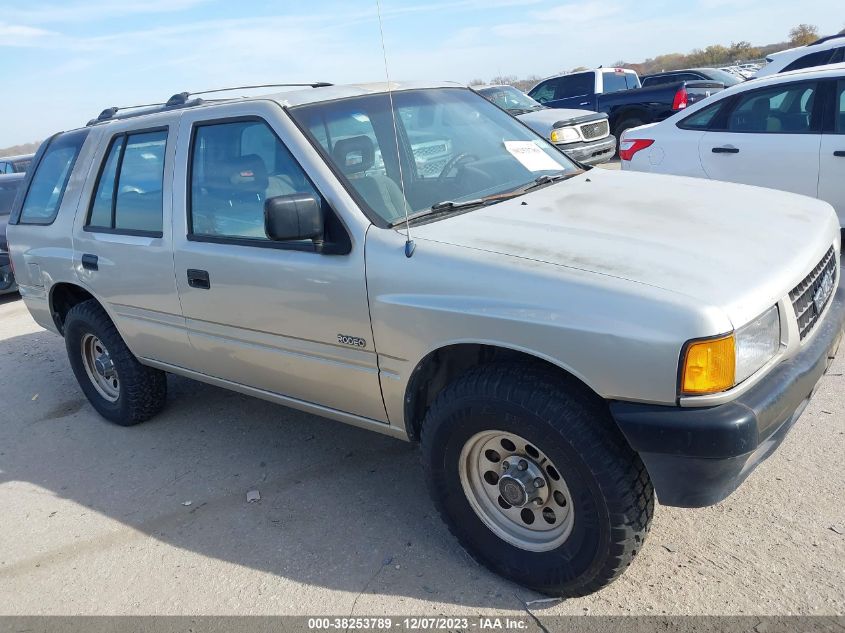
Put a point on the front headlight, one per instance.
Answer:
(717, 364)
(756, 343)
(565, 135)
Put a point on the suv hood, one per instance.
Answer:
(734, 247)
(550, 118)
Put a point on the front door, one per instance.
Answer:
(288, 318)
(770, 138)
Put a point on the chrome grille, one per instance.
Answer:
(804, 294)
(595, 130)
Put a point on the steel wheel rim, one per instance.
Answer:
(552, 516)
(100, 368)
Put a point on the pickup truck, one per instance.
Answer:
(618, 92)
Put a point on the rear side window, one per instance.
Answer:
(47, 188)
(128, 197)
(576, 85)
(840, 109)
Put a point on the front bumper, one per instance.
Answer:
(590, 152)
(7, 278)
(698, 456)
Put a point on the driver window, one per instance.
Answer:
(235, 167)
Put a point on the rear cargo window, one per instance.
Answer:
(49, 182)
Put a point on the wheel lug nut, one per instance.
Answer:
(523, 465)
(505, 465)
(538, 502)
(539, 483)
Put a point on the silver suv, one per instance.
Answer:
(562, 342)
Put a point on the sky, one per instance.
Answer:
(65, 61)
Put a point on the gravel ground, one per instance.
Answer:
(99, 519)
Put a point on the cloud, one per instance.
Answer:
(90, 11)
(20, 35)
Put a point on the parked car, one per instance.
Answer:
(822, 52)
(15, 164)
(584, 136)
(785, 132)
(563, 343)
(9, 184)
(617, 92)
(692, 74)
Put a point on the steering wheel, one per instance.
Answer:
(448, 167)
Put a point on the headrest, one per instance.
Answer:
(355, 154)
(761, 107)
(249, 173)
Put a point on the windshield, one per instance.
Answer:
(455, 146)
(510, 99)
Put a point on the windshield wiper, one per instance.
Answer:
(447, 206)
(545, 179)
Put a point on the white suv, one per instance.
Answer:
(828, 50)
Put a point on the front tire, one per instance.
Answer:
(121, 389)
(570, 534)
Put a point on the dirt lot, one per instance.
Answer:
(98, 519)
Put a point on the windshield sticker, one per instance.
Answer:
(531, 157)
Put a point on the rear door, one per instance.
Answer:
(768, 137)
(123, 240)
(832, 156)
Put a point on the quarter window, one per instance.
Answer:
(840, 111)
(785, 109)
(129, 193)
(45, 193)
(235, 167)
(703, 119)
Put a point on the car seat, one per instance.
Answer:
(355, 156)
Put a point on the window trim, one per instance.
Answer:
(16, 216)
(329, 248)
(112, 230)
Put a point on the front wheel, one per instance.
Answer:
(120, 388)
(532, 477)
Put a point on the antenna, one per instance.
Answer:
(409, 243)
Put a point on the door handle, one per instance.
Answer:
(839, 153)
(725, 150)
(90, 262)
(584, 103)
(198, 279)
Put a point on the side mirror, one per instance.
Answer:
(298, 216)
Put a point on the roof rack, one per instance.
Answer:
(826, 39)
(183, 100)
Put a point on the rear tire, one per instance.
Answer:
(121, 389)
(609, 493)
